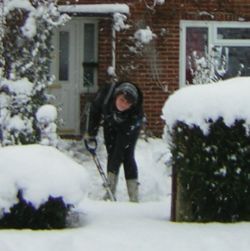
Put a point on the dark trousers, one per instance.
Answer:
(120, 149)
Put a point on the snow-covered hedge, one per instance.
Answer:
(208, 127)
(39, 186)
(26, 49)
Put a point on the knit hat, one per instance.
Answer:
(128, 90)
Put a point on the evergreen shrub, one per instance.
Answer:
(212, 172)
(50, 215)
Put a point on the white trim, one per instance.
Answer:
(182, 56)
(95, 8)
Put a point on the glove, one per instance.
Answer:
(90, 143)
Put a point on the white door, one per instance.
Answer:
(65, 87)
(74, 66)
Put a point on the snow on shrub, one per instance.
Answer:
(16, 111)
(37, 174)
(198, 105)
(144, 36)
(25, 74)
(208, 127)
(119, 22)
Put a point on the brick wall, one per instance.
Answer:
(157, 71)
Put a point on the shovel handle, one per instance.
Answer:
(91, 145)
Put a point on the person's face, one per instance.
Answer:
(121, 103)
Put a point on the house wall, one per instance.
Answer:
(157, 71)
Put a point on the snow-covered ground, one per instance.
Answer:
(121, 225)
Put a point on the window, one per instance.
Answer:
(233, 33)
(63, 56)
(217, 50)
(90, 56)
(75, 59)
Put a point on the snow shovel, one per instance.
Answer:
(106, 183)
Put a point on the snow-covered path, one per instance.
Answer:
(123, 226)
(154, 174)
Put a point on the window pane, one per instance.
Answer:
(237, 61)
(89, 43)
(64, 56)
(90, 61)
(196, 48)
(88, 76)
(233, 33)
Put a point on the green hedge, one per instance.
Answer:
(50, 215)
(212, 172)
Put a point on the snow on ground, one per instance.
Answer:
(123, 226)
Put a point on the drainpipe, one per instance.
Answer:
(113, 63)
(113, 47)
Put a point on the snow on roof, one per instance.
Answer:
(95, 8)
(196, 104)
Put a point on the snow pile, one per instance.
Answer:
(196, 105)
(46, 117)
(46, 114)
(40, 172)
(154, 175)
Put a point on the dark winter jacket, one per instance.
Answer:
(103, 111)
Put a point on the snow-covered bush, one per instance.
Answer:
(50, 215)
(40, 186)
(208, 126)
(26, 61)
(16, 109)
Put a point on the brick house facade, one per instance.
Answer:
(157, 69)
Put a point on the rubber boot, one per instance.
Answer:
(112, 179)
(132, 186)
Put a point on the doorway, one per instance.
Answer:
(74, 67)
